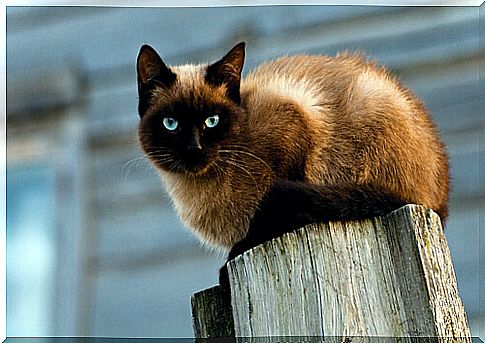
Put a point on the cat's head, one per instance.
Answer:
(188, 114)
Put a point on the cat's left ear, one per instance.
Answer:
(228, 71)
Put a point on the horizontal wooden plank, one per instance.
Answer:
(464, 92)
(430, 78)
(135, 26)
(399, 48)
(27, 18)
(458, 119)
(465, 173)
(44, 90)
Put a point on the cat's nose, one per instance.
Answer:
(194, 144)
(194, 147)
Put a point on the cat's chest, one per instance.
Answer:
(211, 208)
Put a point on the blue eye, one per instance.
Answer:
(170, 123)
(212, 121)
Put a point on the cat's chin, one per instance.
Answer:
(197, 171)
(189, 169)
(193, 171)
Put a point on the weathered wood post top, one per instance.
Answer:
(389, 276)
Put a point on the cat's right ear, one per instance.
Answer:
(152, 71)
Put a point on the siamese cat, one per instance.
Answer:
(300, 139)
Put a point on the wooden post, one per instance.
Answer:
(387, 277)
(212, 314)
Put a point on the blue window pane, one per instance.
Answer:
(30, 249)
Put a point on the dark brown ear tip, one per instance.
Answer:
(146, 48)
(148, 54)
(241, 46)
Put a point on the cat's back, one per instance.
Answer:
(303, 76)
(347, 87)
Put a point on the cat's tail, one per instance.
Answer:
(302, 203)
(289, 205)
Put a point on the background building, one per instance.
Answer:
(93, 245)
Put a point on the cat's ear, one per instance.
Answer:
(151, 70)
(228, 71)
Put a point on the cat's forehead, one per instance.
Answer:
(191, 74)
(190, 88)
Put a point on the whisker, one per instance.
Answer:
(127, 166)
(234, 159)
(246, 153)
(174, 167)
(235, 164)
(156, 152)
(219, 168)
